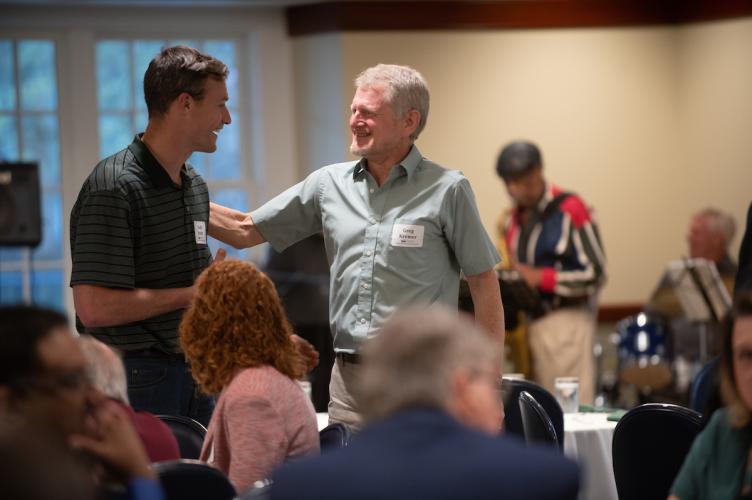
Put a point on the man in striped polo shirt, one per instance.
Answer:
(139, 232)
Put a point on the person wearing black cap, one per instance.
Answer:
(555, 245)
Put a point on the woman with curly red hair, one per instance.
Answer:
(238, 341)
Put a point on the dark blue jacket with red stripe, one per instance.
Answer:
(561, 238)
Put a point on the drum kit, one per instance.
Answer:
(645, 357)
(660, 349)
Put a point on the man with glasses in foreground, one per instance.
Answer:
(44, 388)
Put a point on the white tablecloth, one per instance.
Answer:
(322, 419)
(587, 439)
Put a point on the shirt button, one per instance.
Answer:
(372, 221)
(365, 285)
(362, 321)
(371, 190)
(368, 253)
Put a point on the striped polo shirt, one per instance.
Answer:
(132, 227)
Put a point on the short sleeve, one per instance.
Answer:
(292, 215)
(102, 241)
(464, 231)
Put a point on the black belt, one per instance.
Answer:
(349, 357)
(559, 302)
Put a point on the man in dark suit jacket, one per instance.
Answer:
(429, 393)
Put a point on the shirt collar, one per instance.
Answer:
(548, 195)
(152, 167)
(409, 163)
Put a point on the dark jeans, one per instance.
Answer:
(163, 385)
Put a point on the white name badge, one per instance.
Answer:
(407, 235)
(199, 229)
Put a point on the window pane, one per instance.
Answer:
(143, 52)
(113, 67)
(51, 247)
(11, 288)
(41, 143)
(233, 198)
(189, 43)
(224, 50)
(7, 85)
(142, 118)
(225, 161)
(115, 133)
(47, 288)
(9, 254)
(8, 138)
(36, 60)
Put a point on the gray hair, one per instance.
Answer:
(719, 222)
(406, 89)
(105, 368)
(412, 360)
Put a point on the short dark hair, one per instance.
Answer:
(176, 70)
(740, 415)
(517, 159)
(21, 329)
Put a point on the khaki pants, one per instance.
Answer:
(561, 344)
(342, 407)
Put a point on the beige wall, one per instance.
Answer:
(715, 115)
(626, 117)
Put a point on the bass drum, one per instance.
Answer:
(644, 355)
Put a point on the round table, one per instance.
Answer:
(587, 440)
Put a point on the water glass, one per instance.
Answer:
(567, 393)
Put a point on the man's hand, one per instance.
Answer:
(531, 275)
(308, 353)
(111, 437)
(220, 255)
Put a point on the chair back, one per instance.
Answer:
(334, 436)
(192, 480)
(536, 423)
(703, 386)
(511, 389)
(649, 446)
(188, 433)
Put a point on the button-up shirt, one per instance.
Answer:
(401, 243)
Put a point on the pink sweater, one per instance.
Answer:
(262, 418)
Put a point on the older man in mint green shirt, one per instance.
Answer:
(401, 243)
(398, 228)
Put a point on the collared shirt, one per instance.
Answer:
(402, 243)
(132, 227)
(562, 240)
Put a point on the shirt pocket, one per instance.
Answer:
(414, 245)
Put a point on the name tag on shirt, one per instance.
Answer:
(407, 235)
(199, 229)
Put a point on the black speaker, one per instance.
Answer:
(20, 214)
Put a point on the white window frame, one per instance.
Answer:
(24, 265)
(266, 86)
